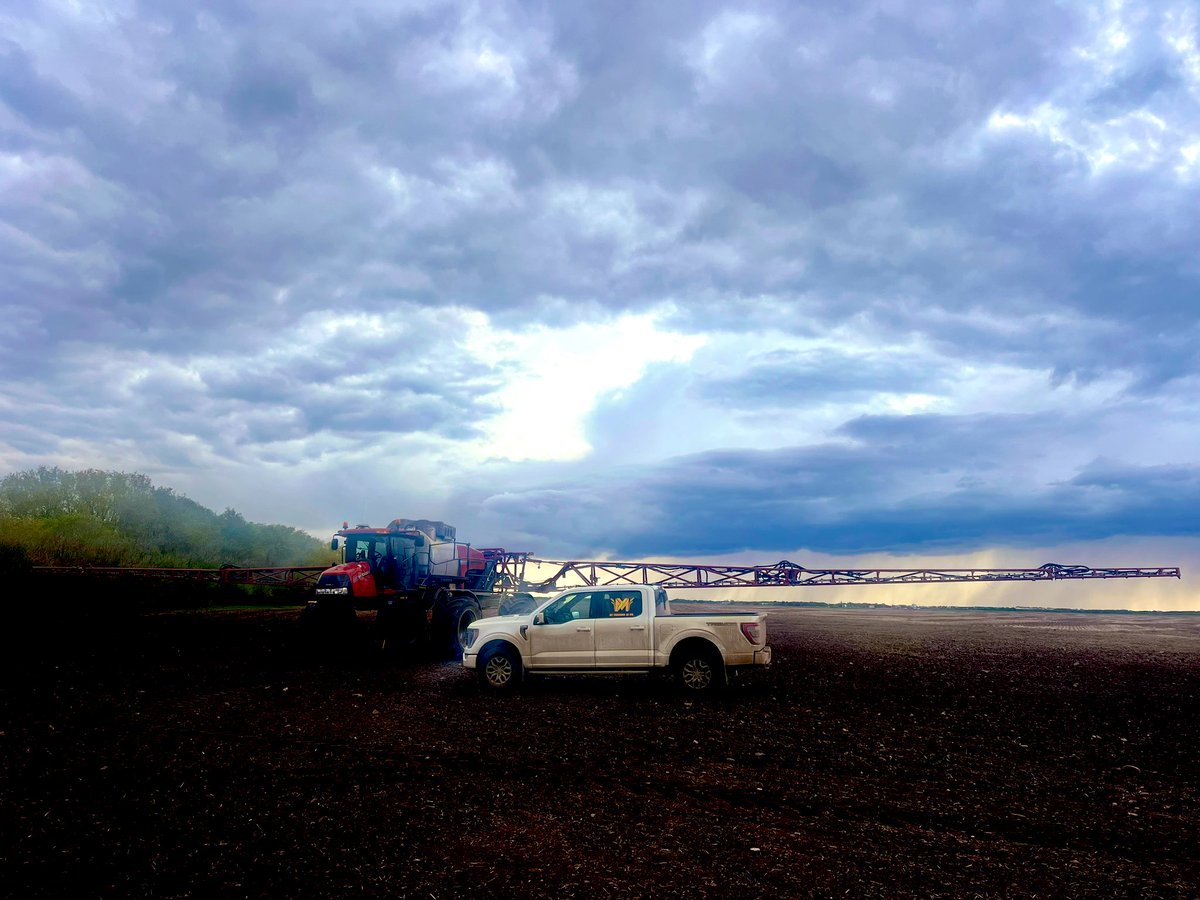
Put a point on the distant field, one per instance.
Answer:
(889, 752)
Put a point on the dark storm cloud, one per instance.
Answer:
(39, 100)
(263, 144)
(908, 488)
(781, 378)
(322, 386)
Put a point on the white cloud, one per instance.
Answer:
(724, 54)
(1136, 141)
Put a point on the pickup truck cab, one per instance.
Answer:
(607, 630)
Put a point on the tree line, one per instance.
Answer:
(56, 517)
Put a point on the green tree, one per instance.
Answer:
(93, 517)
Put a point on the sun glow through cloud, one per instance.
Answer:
(554, 377)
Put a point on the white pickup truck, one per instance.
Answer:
(605, 630)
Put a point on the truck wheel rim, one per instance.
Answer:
(498, 670)
(697, 674)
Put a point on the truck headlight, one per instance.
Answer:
(471, 635)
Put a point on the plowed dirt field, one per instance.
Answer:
(886, 753)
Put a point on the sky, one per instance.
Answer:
(839, 283)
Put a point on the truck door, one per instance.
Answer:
(622, 628)
(566, 637)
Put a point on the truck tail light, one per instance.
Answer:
(752, 631)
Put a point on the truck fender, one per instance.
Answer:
(690, 634)
(490, 645)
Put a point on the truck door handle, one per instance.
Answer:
(637, 627)
(583, 629)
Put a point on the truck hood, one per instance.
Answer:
(505, 620)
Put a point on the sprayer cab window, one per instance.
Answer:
(367, 549)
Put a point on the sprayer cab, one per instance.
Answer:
(408, 554)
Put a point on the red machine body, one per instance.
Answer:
(423, 583)
(409, 554)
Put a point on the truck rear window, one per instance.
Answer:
(616, 604)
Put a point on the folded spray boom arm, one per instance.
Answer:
(789, 574)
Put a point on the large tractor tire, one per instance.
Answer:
(518, 605)
(327, 624)
(453, 613)
(400, 628)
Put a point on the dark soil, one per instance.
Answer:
(894, 753)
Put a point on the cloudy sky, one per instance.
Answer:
(838, 282)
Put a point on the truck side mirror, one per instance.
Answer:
(333, 544)
(539, 619)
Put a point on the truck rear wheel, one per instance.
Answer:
(699, 669)
(500, 669)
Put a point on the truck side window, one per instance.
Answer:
(568, 607)
(616, 604)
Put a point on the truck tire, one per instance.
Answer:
(699, 669)
(518, 605)
(452, 615)
(500, 669)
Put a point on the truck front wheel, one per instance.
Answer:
(500, 669)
